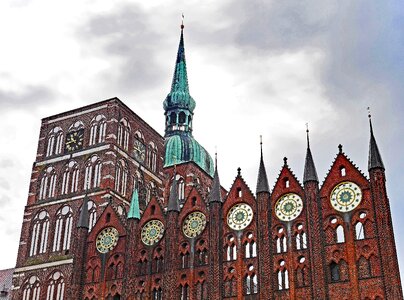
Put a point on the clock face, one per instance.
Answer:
(346, 196)
(107, 239)
(288, 207)
(152, 232)
(239, 216)
(194, 224)
(139, 150)
(74, 140)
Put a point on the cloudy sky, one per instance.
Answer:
(254, 67)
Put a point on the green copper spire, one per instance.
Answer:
(134, 211)
(179, 105)
(180, 146)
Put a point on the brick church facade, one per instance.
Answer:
(117, 211)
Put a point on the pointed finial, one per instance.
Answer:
(340, 148)
(83, 218)
(262, 181)
(307, 133)
(285, 161)
(216, 156)
(182, 22)
(134, 211)
(238, 171)
(375, 159)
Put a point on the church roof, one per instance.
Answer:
(310, 173)
(134, 211)
(262, 181)
(179, 96)
(83, 219)
(375, 159)
(182, 148)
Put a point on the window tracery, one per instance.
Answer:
(92, 175)
(56, 286)
(47, 188)
(123, 134)
(55, 141)
(31, 289)
(39, 235)
(98, 128)
(63, 229)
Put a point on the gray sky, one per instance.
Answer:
(254, 67)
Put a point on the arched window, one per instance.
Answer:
(63, 229)
(39, 233)
(121, 177)
(158, 261)
(302, 274)
(201, 257)
(181, 189)
(70, 180)
(230, 287)
(283, 280)
(301, 238)
(47, 186)
(340, 234)
(280, 240)
(185, 260)
(202, 290)
(31, 289)
(92, 214)
(359, 231)
(56, 287)
(364, 268)
(123, 134)
(92, 175)
(98, 129)
(173, 118)
(55, 141)
(251, 284)
(157, 293)
(182, 117)
(334, 272)
(142, 266)
(184, 292)
(250, 246)
(152, 156)
(231, 252)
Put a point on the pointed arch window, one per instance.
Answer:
(231, 252)
(202, 290)
(301, 237)
(184, 292)
(185, 260)
(364, 268)
(152, 156)
(63, 229)
(283, 276)
(251, 284)
(98, 129)
(39, 233)
(55, 141)
(280, 241)
(47, 188)
(92, 214)
(56, 287)
(302, 273)
(201, 257)
(70, 180)
(181, 189)
(123, 134)
(230, 287)
(250, 246)
(121, 177)
(92, 175)
(157, 293)
(334, 272)
(31, 289)
(359, 231)
(340, 236)
(158, 261)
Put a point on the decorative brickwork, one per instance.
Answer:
(185, 236)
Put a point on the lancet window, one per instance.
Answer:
(63, 229)
(31, 289)
(55, 141)
(123, 134)
(98, 129)
(47, 188)
(70, 180)
(92, 175)
(56, 286)
(39, 233)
